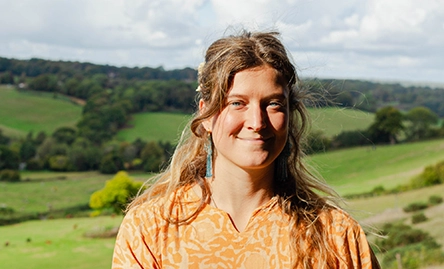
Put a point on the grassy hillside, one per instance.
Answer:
(359, 170)
(44, 191)
(333, 121)
(25, 111)
(21, 112)
(154, 127)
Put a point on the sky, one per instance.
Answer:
(387, 40)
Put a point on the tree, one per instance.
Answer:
(64, 135)
(9, 159)
(44, 82)
(4, 140)
(139, 144)
(387, 125)
(152, 156)
(344, 99)
(59, 163)
(111, 163)
(45, 149)
(116, 193)
(128, 153)
(83, 155)
(6, 78)
(41, 136)
(421, 119)
(28, 150)
(351, 139)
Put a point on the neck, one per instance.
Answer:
(239, 192)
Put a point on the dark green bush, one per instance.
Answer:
(435, 200)
(6, 210)
(432, 175)
(378, 190)
(412, 257)
(415, 207)
(9, 175)
(111, 163)
(59, 163)
(9, 159)
(351, 139)
(152, 156)
(418, 217)
(400, 235)
(34, 164)
(317, 141)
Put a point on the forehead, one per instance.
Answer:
(258, 79)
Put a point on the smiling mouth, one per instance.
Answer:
(254, 139)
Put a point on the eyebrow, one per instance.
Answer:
(271, 96)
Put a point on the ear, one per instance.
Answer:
(207, 123)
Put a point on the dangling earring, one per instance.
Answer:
(209, 150)
(281, 168)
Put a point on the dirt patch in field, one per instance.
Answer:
(388, 215)
(78, 101)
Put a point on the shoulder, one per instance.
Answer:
(143, 217)
(163, 207)
(338, 220)
(348, 239)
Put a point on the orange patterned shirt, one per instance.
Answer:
(147, 240)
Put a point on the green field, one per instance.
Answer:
(154, 127)
(361, 169)
(25, 111)
(332, 121)
(57, 243)
(51, 191)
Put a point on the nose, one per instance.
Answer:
(256, 118)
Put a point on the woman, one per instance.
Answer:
(237, 193)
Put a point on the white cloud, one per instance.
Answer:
(345, 38)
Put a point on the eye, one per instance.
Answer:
(276, 104)
(236, 104)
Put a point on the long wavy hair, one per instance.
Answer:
(300, 195)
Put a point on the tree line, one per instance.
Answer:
(371, 96)
(110, 95)
(65, 151)
(390, 126)
(83, 80)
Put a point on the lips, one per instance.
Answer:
(254, 139)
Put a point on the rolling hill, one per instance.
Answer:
(25, 111)
(361, 169)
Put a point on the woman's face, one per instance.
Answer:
(251, 130)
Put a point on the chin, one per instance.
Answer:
(255, 164)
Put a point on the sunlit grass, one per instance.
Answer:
(154, 127)
(22, 112)
(56, 243)
(361, 169)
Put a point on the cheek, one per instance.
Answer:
(279, 122)
(226, 124)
